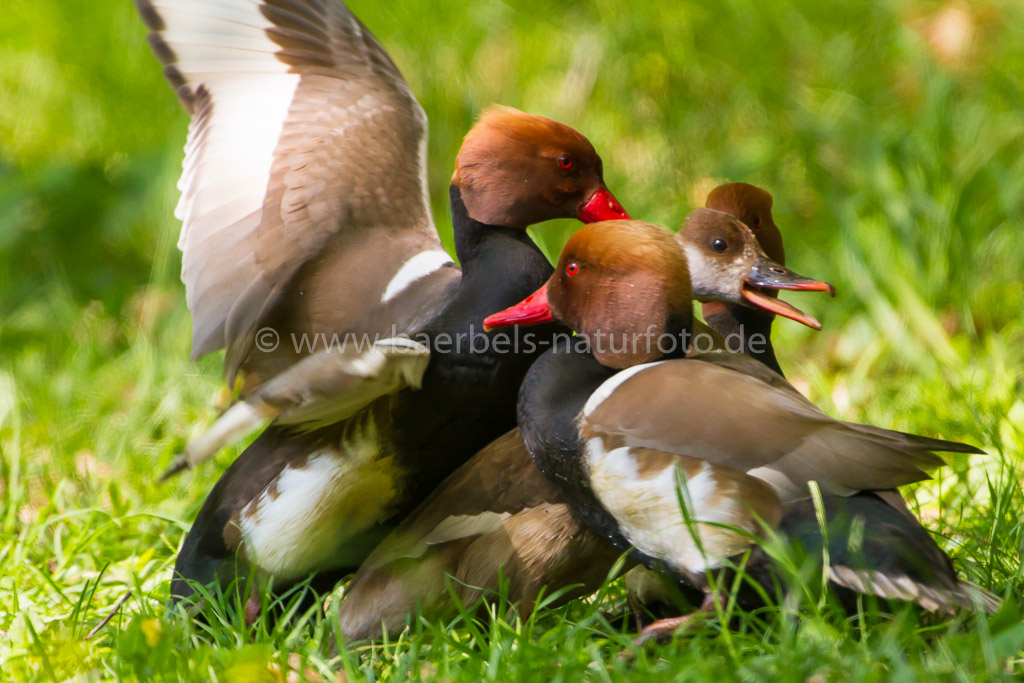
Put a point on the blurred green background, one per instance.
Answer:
(890, 132)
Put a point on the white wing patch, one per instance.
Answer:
(419, 266)
(787, 489)
(613, 383)
(464, 526)
(335, 385)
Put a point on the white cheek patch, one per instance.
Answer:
(419, 266)
(646, 507)
(304, 523)
(702, 276)
(712, 279)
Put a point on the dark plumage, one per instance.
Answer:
(305, 212)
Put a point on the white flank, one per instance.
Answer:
(302, 523)
(646, 507)
(420, 265)
(610, 385)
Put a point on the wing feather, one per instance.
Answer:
(304, 138)
(729, 412)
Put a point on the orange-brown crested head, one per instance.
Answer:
(624, 284)
(753, 206)
(516, 169)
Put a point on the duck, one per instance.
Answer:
(625, 427)
(752, 205)
(497, 517)
(305, 212)
(298, 502)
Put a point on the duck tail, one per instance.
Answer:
(904, 440)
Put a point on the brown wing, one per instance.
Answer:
(304, 171)
(495, 483)
(470, 527)
(319, 390)
(746, 365)
(542, 546)
(538, 547)
(717, 412)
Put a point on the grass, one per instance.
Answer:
(890, 132)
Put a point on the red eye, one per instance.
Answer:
(572, 269)
(565, 161)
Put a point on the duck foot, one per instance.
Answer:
(662, 630)
(252, 609)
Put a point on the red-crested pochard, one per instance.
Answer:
(623, 426)
(497, 516)
(305, 212)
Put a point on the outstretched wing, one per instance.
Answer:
(304, 170)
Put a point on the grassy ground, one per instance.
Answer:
(890, 132)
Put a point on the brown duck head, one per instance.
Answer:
(753, 206)
(623, 284)
(729, 265)
(516, 169)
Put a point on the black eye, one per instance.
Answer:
(565, 161)
(756, 222)
(719, 245)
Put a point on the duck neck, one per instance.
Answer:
(551, 399)
(500, 265)
(555, 391)
(745, 330)
(474, 239)
(679, 326)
